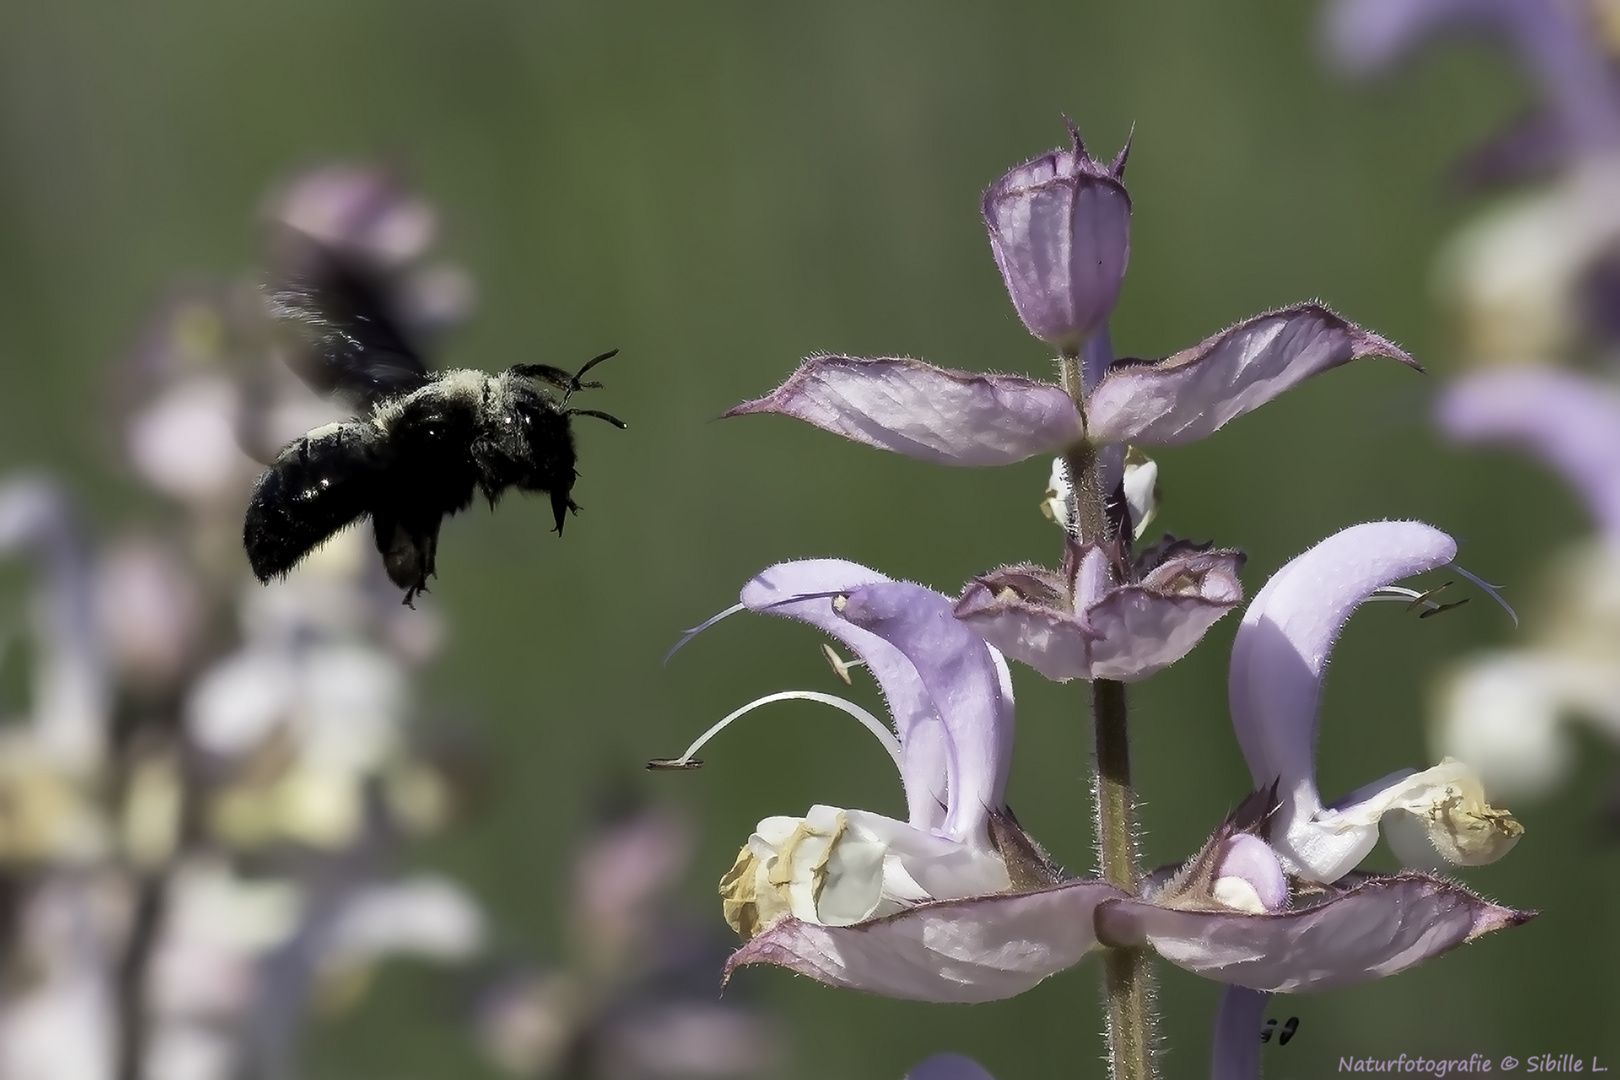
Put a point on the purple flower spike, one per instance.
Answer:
(1571, 422)
(1094, 628)
(1187, 396)
(1278, 661)
(1060, 228)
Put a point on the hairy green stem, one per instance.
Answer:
(1127, 982)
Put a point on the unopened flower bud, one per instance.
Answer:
(1060, 230)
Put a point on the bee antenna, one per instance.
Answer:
(614, 420)
(575, 384)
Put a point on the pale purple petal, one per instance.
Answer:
(1278, 660)
(960, 673)
(1054, 642)
(1236, 1054)
(1378, 928)
(1142, 631)
(1130, 633)
(1060, 232)
(1570, 421)
(981, 949)
(774, 591)
(1248, 858)
(1189, 395)
(949, 1067)
(936, 414)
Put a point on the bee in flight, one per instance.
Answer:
(420, 445)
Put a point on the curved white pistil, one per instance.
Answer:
(870, 722)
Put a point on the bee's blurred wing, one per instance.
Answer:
(357, 349)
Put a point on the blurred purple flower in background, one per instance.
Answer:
(1503, 710)
(208, 803)
(1560, 44)
(632, 997)
(949, 1067)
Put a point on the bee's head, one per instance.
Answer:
(525, 442)
(528, 441)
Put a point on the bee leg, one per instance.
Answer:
(561, 507)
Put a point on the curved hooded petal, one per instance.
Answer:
(1377, 928)
(1060, 230)
(1187, 396)
(949, 1067)
(1131, 632)
(1571, 422)
(1236, 1054)
(969, 684)
(936, 414)
(1278, 659)
(778, 590)
(980, 949)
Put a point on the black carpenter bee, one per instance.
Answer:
(420, 445)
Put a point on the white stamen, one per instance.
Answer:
(700, 627)
(872, 723)
(840, 666)
(1490, 590)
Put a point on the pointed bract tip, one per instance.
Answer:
(1118, 167)
(1074, 136)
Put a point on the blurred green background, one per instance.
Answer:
(717, 190)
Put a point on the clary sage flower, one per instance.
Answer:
(1278, 661)
(957, 903)
(937, 907)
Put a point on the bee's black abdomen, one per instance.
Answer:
(320, 483)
